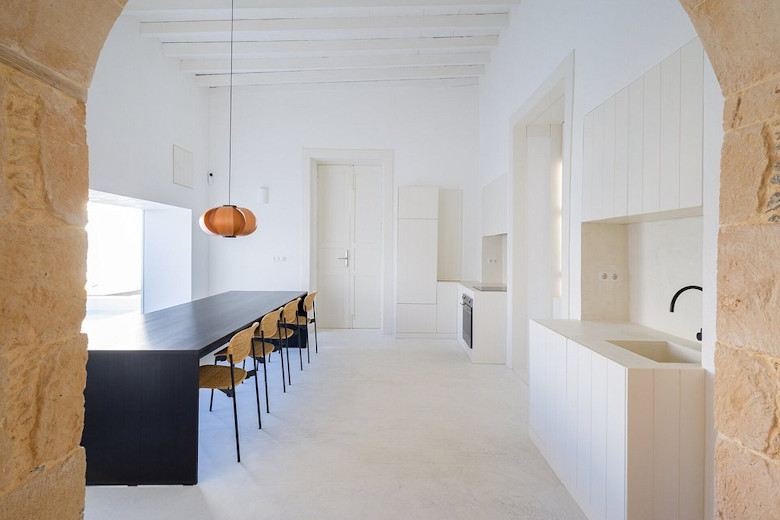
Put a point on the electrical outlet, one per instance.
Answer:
(280, 258)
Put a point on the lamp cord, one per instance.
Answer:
(230, 109)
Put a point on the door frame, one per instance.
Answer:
(312, 158)
(559, 84)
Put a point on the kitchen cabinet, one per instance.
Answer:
(447, 299)
(417, 263)
(624, 435)
(488, 325)
(643, 147)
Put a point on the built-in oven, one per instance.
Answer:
(467, 302)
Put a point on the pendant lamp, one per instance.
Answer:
(229, 220)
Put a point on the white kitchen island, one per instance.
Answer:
(623, 432)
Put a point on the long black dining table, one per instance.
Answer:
(141, 398)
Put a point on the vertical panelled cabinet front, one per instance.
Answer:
(626, 442)
(417, 264)
(642, 148)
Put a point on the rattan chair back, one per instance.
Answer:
(290, 312)
(270, 323)
(308, 302)
(240, 345)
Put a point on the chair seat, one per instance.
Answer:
(218, 376)
(285, 334)
(260, 352)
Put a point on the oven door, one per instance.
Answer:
(467, 321)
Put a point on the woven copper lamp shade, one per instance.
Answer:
(228, 221)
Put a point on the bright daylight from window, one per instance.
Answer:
(114, 260)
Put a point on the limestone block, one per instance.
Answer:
(43, 274)
(746, 485)
(744, 164)
(747, 395)
(65, 36)
(758, 103)
(44, 153)
(43, 405)
(748, 290)
(741, 39)
(51, 492)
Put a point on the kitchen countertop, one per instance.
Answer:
(594, 335)
(474, 285)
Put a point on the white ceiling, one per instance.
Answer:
(284, 42)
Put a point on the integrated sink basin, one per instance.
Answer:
(659, 351)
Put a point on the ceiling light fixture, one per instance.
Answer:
(229, 220)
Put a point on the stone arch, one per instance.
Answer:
(48, 51)
(743, 43)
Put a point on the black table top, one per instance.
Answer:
(197, 326)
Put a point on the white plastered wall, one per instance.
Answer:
(139, 106)
(431, 133)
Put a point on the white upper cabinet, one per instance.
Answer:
(418, 202)
(642, 148)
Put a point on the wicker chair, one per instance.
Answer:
(288, 326)
(225, 378)
(308, 307)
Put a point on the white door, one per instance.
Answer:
(349, 233)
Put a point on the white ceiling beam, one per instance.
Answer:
(215, 30)
(211, 9)
(222, 65)
(341, 76)
(328, 47)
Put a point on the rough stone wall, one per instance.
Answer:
(742, 40)
(48, 52)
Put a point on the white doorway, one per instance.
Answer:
(539, 239)
(349, 245)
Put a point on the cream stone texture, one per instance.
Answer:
(747, 395)
(51, 492)
(65, 36)
(743, 167)
(741, 39)
(758, 103)
(746, 484)
(748, 290)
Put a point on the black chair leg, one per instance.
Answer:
(289, 377)
(316, 344)
(257, 394)
(300, 350)
(211, 399)
(235, 410)
(281, 357)
(265, 380)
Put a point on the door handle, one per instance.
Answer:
(345, 258)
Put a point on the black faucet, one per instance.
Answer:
(677, 295)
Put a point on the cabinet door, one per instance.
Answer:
(417, 260)
(418, 202)
(616, 442)
(537, 343)
(597, 192)
(582, 490)
(587, 168)
(446, 307)
(651, 108)
(635, 145)
(691, 124)
(413, 318)
(670, 133)
(598, 441)
(621, 153)
(608, 160)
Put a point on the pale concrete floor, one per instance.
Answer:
(373, 428)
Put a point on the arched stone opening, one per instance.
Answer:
(48, 51)
(743, 44)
